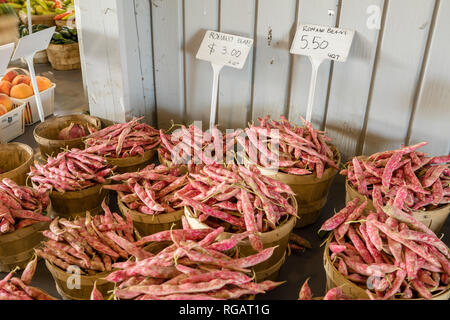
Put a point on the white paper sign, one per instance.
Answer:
(5, 56)
(33, 43)
(224, 49)
(322, 42)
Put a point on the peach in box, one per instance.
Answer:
(5, 87)
(21, 91)
(21, 79)
(9, 76)
(43, 83)
(6, 102)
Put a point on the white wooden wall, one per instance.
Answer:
(139, 59)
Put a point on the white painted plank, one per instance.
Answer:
(274, 33)
(397, 75)
(167, 21)
(350, 85)
(101, 56)
(145, 43)
(134, 23)
(432, 117)
(236, 17)
(80, 44)
(315, 12)
(199, 16)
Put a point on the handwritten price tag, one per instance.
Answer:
(322, 42)
(224, 49)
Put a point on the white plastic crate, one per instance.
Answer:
(31, 113)
(12, 123)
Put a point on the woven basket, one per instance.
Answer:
(311, 193)
(8, 29)
(17, 248)
(64, 56)
(45, 19)
(46, 133)
(433, 219)
(279, 237)
(149, 224)
(15, 160)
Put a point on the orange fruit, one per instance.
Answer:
(21, 91)
(21, 79)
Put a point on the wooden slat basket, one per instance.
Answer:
(17, 248)
(433, 219)
(132, 164)
(269, 269)
(311, 192)
(46, 133)
(73, 204)
(149, 224)
(64, 285)
(336, 279)
(15, 161)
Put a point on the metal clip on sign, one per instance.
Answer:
(222, 49)
(27, 48)
(320, 43)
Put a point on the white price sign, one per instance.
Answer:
(322, 42)
(224, 49)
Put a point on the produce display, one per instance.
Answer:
(74, 131)
(23, 29)
(191, 267)
(19, 86)
(20, 206)
(65, 35)
(92, 243)
(404, 178)
(13, 288)
(332, 294)
(239, 199)
(151, 190)
(72, 170)
(123, 140)
(381, 254)
(6, 8)
(191, 146)
(44, 7)
(69, 13)
(389, 253)
(300, 151)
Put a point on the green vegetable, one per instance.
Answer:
(57, 36)
(66, 34)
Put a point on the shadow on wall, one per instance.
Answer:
(346, 138)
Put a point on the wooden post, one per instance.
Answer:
(116, 58)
